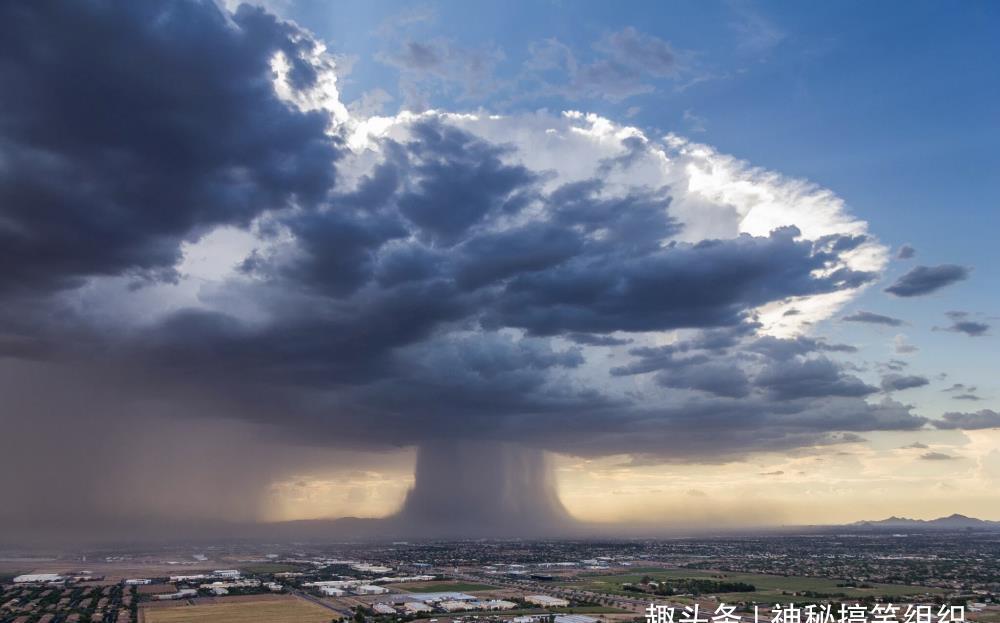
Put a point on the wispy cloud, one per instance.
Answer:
(873, 318)
(961, 323)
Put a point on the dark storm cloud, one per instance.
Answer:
(873, 318)
(128, 128)
(588, 339)
(444, 291)
(338, 251)
(491, 257)
(789, 380)
(926, 279)
(404, 263)
(637, 221)
(313, 348)
(899, 382)
(785, 387)
(775, 368)
(707, 284)
(718, 430)
(461, 181)
(695, 350)
(786, 348)
(717, 379)
(840, 242)
(986, 418)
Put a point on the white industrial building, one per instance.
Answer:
(546, 601)
(432, 597)
(137, 582)
(248, 583)
(371, 589)
(181, 594)
(455, 605)
(38, 578)
(226, 573)
(384, 609)
(405, 578)
(345, 584)
(364, 567)
(332, 591)
(495, 604)
(574, 618)
(413, 607)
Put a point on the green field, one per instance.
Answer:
(443, 587)
(768, 586)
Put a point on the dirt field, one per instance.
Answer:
(156, 589)
(291, 610)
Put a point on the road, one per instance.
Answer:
(316, 600)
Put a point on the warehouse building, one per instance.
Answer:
(38, 578)
(371, 589)
(546, 601)
(431, 597)
(415, 607)
(496, 604)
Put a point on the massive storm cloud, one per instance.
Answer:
(192, 222)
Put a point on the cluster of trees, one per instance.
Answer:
(692, 586)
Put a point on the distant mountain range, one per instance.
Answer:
(356, 529)
(951, 522)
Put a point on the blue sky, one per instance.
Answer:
(892, 106)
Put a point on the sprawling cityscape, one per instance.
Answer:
(512, 581)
